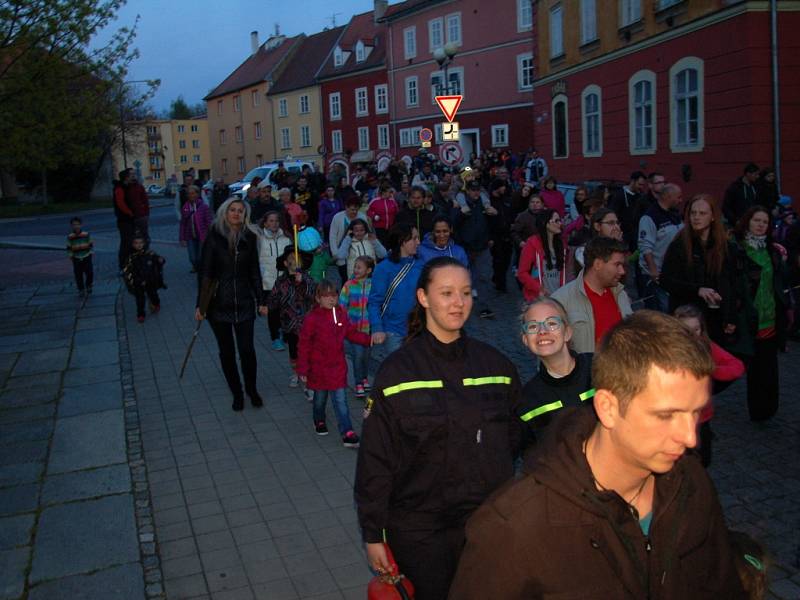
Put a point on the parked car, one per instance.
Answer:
(267, 171)
(155, 190)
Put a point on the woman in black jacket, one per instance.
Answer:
(230, 258)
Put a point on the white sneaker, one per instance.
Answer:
(293, 380)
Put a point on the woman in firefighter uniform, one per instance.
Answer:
(442, 435)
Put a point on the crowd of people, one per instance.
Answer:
(386, 264)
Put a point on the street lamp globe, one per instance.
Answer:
(450, 49)
(439, 55)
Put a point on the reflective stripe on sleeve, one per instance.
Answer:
(412, 385)
(587, 394)
(545, 408)
(487, 380)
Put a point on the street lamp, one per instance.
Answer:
(444, 56)
(122, 116)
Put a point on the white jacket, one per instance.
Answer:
(270, 247)
(351, 249)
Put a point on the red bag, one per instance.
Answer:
(390, 586)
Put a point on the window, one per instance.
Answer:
(222, 137)
(184, 159)
(588, 21)
(303, 108)
(642, 113)
(181, 128)
(560, 134)
(257, 132)
(157, 175)
(455, 87)
(524, 15)
(410, 42)
(361, 55)
(181, 144)
(259, 159)
(435, 34)
(556, 32)
(383, 137)
(219, 107)
(630, 11)
(283, 107)
(286, 138)
(592, 121)
(237, 103)
(453, 23)
(662, 4)
(255, 97)
(195, 158)
(412, 97)
(362, 104)
(240, 160)
(335, 103)
(152, 130)
(525, 71)
(338, 57)
(224, 166)
(336, 141)
(686, 99)
(363, 138)
(499, 135)
(305, 136)
(410, 136)
(195, 143)
(381, 98)
(193, 128)
(237, 134)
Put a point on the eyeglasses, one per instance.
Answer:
(550, 324)
(610, 223)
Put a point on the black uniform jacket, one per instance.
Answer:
(442, 435)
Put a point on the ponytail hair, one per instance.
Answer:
(417, 319)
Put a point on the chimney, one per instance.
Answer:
(253, 42)
(380, 9)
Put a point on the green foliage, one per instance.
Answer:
(178, 109)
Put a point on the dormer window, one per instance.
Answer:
(361, 54)
(338, 57)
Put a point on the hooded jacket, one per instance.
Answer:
(270, 247)
(428, 250)
(552, 534)
(395, 318)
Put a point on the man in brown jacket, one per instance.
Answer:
(611, 507)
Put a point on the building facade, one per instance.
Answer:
(147, 150)
(240, 116)
(296, 101)
(190, 150)
(682, 88)
(492, 68)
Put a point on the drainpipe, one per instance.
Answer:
(776, 116)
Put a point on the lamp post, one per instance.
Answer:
(122, 116)
(444, 56)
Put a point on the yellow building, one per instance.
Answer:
(191, 148)
(147, 150)
(295, 99)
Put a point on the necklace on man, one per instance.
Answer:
(634, 512)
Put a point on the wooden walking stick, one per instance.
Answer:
(207, 290)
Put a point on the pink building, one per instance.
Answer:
(492, 68)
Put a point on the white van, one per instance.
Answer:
(267, 171)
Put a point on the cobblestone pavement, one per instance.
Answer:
(255, 505)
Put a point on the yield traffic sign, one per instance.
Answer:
(449, 105)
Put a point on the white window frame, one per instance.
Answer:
(196, 158)
(587, 91)
(184, 159)
(643, 76)
(524, 15)
(415, 80)
(409, 136)
(381, 91)
(335, 101)
(336, 141)
(303, 105)
(459, 75)
(181, 128)
(431, 25)
(556, 41)
(305, 136)
(630, 12)
(361, 54)
(181, 144)
(688, 62)
(363, 139)
(338, 57)
(157, 175)
(286, 138)
(496, 129)
(448, 21)
(283, 107)
(193, 128)
(521, 58)
(383, 137)
(556, 99)
(362, 102)
(237, 104)
(255, 97)
(258, 130)
(410, 42)
(588, 21)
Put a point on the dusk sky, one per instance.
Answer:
(193, 45)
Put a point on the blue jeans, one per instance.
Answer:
(656, 297)
(339, 401)
(360, 356)
(193, 247)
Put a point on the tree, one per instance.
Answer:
(61, 102)
(178, 109)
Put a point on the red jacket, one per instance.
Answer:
(726, 368)
(321, 349)
(139, 200)
(532, 263)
